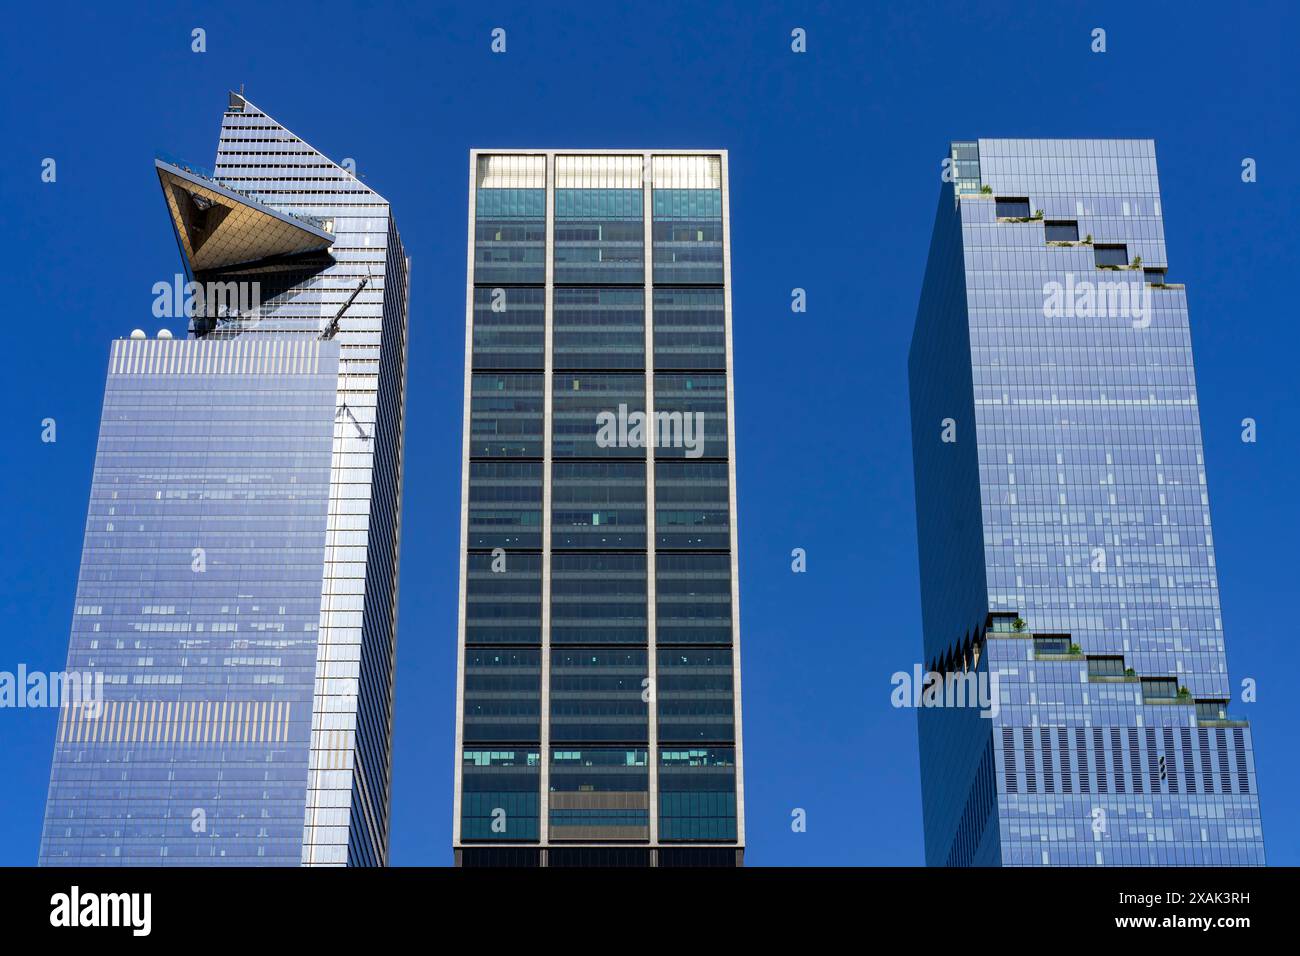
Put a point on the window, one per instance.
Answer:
(1013, 208)
(1067, 231)
(1110, 255)
(1051, 644)
(1159, 688)
(1212, 710)
(1105, 666)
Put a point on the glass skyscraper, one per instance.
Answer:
(238, 584)
(1065, 545)
(598, 710)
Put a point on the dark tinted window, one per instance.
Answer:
(1111, 255)
(1163, 688)
(1062, 231)
(1106, 666)
(1013, 208)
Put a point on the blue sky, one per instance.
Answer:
(834, 160)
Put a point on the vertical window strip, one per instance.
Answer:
(1243, 776)
(1135, 759)
(1189, 766)
(1221, 747)
(1031, 774)
(1081, 746)
(1009, 770)
(1117, 759)
(1099, 758)
(1171, 761)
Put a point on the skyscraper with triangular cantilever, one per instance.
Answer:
(238, 583)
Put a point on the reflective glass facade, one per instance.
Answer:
(199, 600)
(1064, 528)
(328, 272)
(598, 715)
